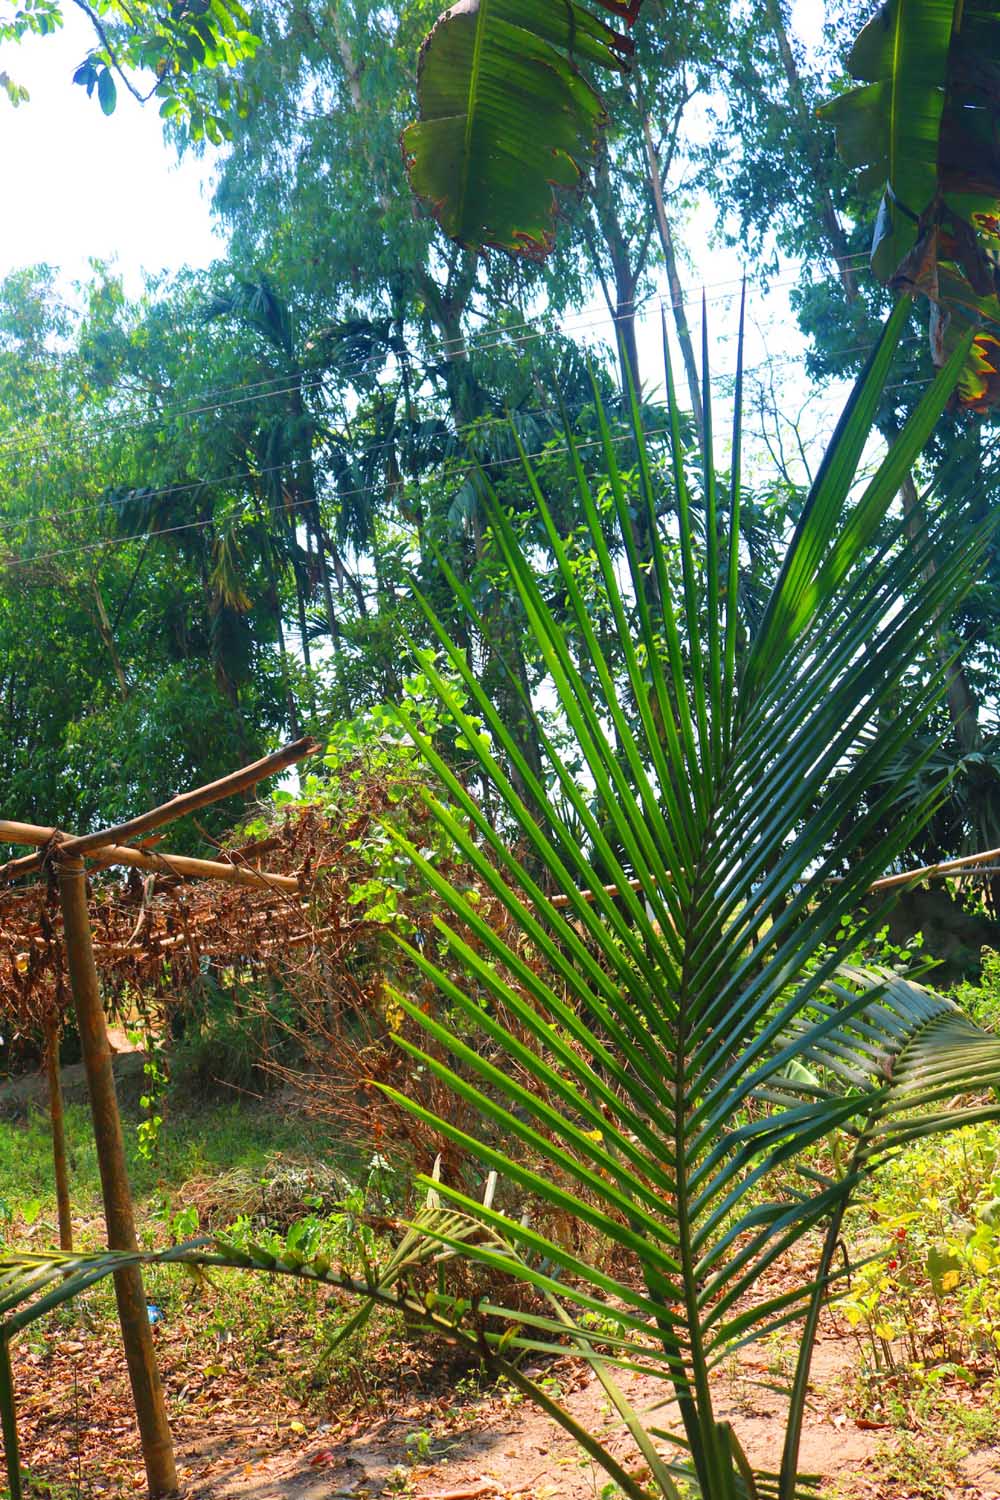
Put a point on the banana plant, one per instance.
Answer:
(919, 126)
(507, 116)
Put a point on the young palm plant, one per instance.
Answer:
(694, 1042)
(697, 1035)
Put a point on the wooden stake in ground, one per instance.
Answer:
(56, 1120)
(137, 1336)
(8, 1420)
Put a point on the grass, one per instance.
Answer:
(223, 1136)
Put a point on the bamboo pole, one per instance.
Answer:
(8, 1419)
(183, 864)
(147, 1392)
(57, 1121)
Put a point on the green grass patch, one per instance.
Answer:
(231, 1134)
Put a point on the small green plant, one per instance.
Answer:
(419, 1445)
(150, 1101)
(694, 893)
(981, 999)
(925, 1302)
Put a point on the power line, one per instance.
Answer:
(575, 324)
(454, 434)
(139, 536)
(459, 431)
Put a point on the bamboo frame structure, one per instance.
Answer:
(167, 812)
(65, 856)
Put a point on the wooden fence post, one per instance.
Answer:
(56, 1120)
(147, 1392)
(8, 1420)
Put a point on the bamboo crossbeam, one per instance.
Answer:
(24, 833)
(183, 864)
(887, 882)
(179, 807)
(167, 812)
(947, 867)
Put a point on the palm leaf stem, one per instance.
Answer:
(733, 569)
(712, 564)
(688, 569)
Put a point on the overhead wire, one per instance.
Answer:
(296, 385)
(589, 318)
(149, 493)
(105, 543)
(455, 433)
(138, 536)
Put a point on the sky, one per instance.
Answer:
(76, 184)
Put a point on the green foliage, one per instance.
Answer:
(206, 1140)
(923, 1298)
(155, 53)
(229, 1029)
(981, 1000)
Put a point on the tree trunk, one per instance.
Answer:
(293, 708)
(137, 1336)
(834, 229)
(107, 636)
(674, 283)
(57, 1120)
(962, 705)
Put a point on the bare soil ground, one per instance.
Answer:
(431, 1436)
(255, 1441)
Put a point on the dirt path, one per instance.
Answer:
(499, 1449)
(246, 1436)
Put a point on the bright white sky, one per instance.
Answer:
(76, 184)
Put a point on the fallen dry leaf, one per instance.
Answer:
(466, 1492)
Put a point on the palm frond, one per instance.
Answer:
(737, 826)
